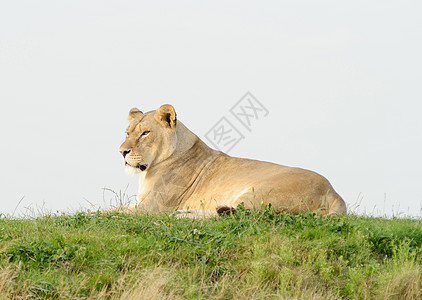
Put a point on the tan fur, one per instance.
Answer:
(179, 172)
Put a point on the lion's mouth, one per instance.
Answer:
(140, 167)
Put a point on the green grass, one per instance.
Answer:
(248, 255)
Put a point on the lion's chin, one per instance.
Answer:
(132, 170)
(135, 170)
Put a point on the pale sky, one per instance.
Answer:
(341, 83)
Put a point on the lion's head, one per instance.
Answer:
(150, 138)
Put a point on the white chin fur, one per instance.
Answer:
(131, 170)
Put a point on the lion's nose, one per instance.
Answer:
(125, 152)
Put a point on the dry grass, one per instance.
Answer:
(403, 282)
(152, 288)
(7, 277)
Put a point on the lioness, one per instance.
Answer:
(179, 172)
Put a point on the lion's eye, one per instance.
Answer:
(145, 133)
(127, 134)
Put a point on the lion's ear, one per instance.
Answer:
(166, 115)
(133, 113)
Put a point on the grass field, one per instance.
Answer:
(248, 255)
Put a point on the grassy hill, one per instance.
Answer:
(248, 255)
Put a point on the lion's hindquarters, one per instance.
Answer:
(295, 190)
(336, 205)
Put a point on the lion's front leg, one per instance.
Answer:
(194, 213)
